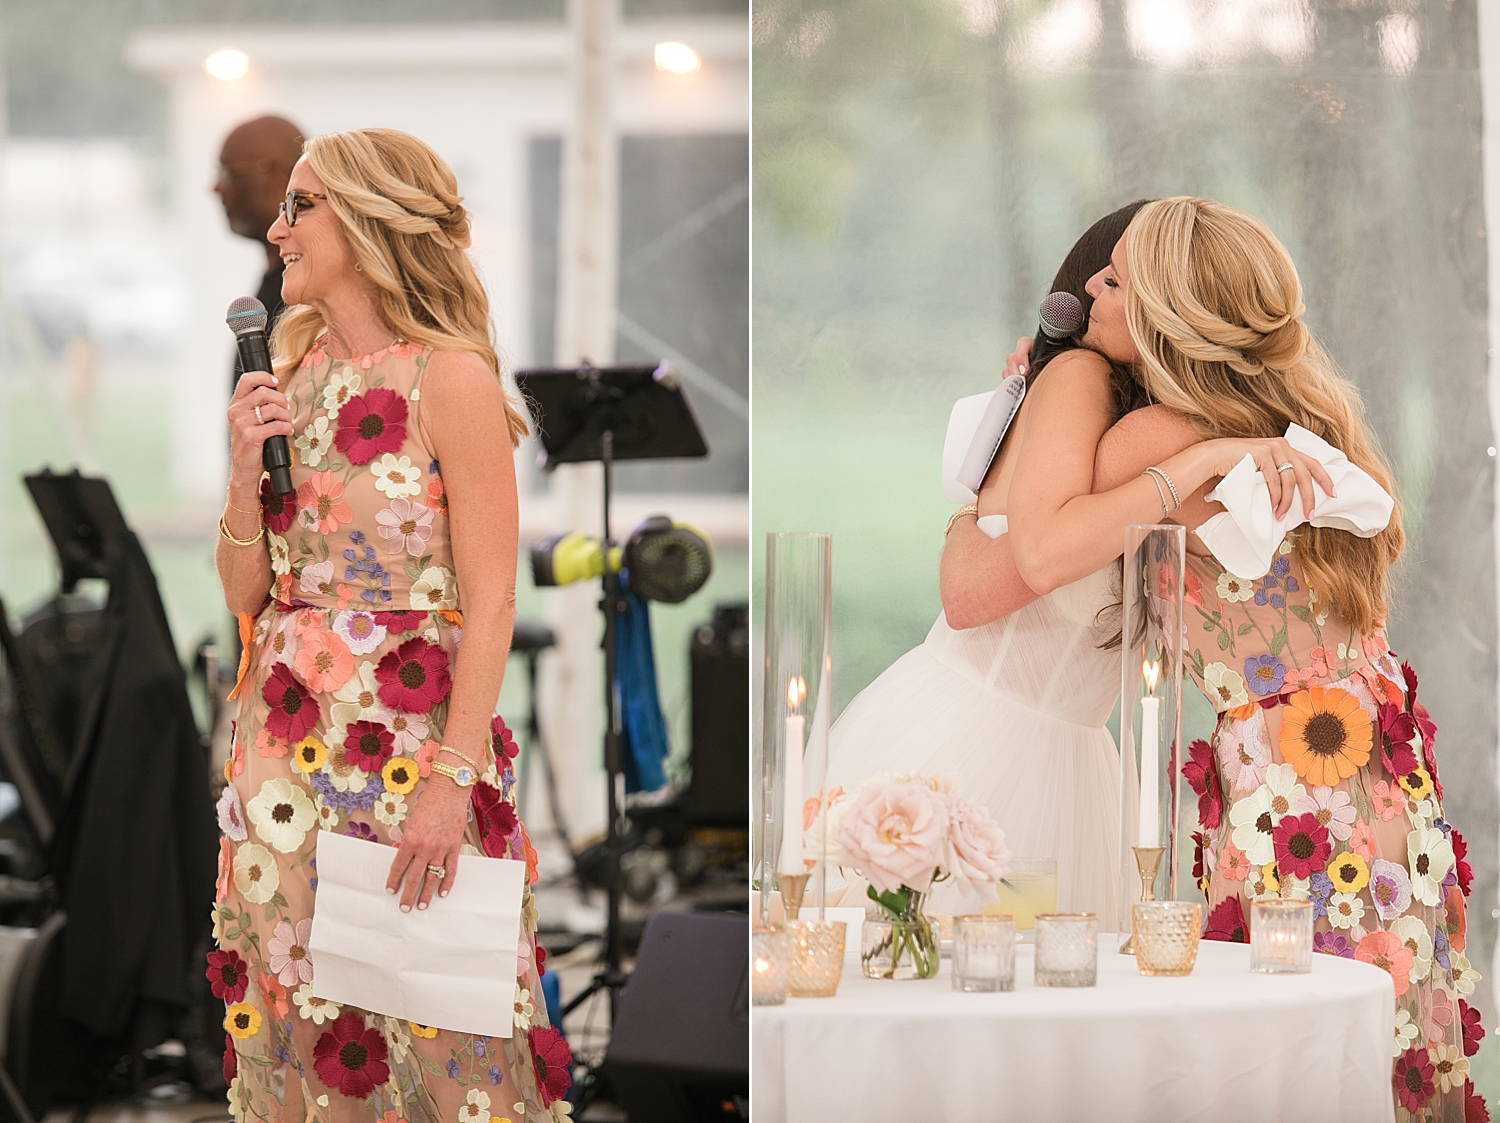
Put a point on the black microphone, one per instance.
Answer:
(247, 319)
(1061, 317)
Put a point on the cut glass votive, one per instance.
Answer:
(815, 957)
(1281, 937)
(1029, 887)
(1067, 949)
(984, 953)
(768, 961)
(1166, 936)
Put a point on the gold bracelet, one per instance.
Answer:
(224, 533)
(971, 509)
(241, 510)
(463, 777)
(467, 760)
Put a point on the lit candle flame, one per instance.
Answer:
(1151, 670)
(796, 692)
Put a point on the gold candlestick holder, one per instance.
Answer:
(791, 886)
(1147, 862)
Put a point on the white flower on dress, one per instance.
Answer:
(1429, 858)
(1296, 888)
(1333, 809)
(231, 814)
(397, 1040)
(390, 809)
(282, 814)
(396, 476)
(255, 873)
(315, 1010)
(476, 1109)
(339, 389)
(359, 698)
(1406, 1032)
(410, 731)
(435, 590)
(1243, 758)
(291, 962)
(1414, 934)
(1464, 976)
(1452, 1067)
(346, 777)
(281, 640)
(1422, 812)
(328, 816)
(1256, 816)
(524, 1008)
(314, 442)
(406, 526)
(317, 579)
(281, 556)
(1225, 687)
(1234, 589)
(359, 631)
(1345, 910)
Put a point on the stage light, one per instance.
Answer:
(677, 58)
(227, 65)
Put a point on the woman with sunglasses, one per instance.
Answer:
(358, 711)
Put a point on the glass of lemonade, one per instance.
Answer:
(1029, 888)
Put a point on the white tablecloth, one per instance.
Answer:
(1222, 1044)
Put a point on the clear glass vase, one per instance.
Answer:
(899, 945)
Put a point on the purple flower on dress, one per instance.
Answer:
(479, 1049)
(432, 469)
(312, 864)
(361, 830)
(452, 1068)
(494, 1074)
(1331, 943)
(357, 537)
(281, 1054)
(1440, 947)
(1291, 585)
(1265, 674)
(1320, 890)
(1390, 889)
(348, 801)
(1281, 566)
(231, 814)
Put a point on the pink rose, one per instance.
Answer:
(895, 835)
(977, 854)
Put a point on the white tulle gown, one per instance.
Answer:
(1015, 712)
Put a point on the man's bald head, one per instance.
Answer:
(254, 164)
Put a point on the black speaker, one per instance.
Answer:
(680, 1051)
(719, 791)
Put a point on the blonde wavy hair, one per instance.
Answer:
(398, 203)
(1214, 306)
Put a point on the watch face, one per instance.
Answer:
(464, 776)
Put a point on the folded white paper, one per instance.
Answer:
(976, 426)
(451, 965)
(1245, 536)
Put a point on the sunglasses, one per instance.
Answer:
(297, 201)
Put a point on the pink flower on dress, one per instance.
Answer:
(1362, 840)
(976, 854)
(425, 756)
(231, 814)
(414, 677)
(1386, 951)
(317, 579)
(1300, 679)
(1322, 661)
(1332, 809)
(325, 662)
(321, 506)
(437, 497)
(1389, 800)
(894, 834)
(291, 962)
(226, 870)
(1232, 862)
(359, 630)
(372, 423)
(410, 730)
(1437, 1020)
(406, 526)
(281, 640)
(274, 994)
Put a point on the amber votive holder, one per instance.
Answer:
(769, 948)
(1166, 935)
(1281, 936)
(815, 957)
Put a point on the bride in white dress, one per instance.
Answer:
(1015, 710)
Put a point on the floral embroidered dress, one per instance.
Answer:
(1321, 784)
(343, 695)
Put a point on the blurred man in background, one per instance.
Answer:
(254, 166)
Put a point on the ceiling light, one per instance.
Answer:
(227, 65)
(677, 58)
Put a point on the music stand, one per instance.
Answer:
(592, 413)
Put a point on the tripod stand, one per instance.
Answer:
(608, 414)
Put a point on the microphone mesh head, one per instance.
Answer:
(1062, 315)
(248, 314)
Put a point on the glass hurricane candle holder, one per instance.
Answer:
(815, 957)
(1067, 949)
(984, 953)
(1166, 935)
(1281, 937)
(768, 962)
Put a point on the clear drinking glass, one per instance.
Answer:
(769, 947)
(1281, 937)
(1028, 889)
(816, 958)
(1166, 936)
(1067, 949)
(984, 953)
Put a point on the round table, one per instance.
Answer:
(1222, 1044)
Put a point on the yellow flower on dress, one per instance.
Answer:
(1349, 874)
(1417, 784)
(400, 775)
(310, 754)
(1326, 735)
(428, 1032)
(1266, 885)
(242, 1020)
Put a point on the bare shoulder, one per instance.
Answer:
(1156, 423)
(460, 379)
(1077, 376)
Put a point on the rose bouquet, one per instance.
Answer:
(902, 834)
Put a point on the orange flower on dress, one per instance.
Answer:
(1301, 678)
(226, 867)
(1386, 951)
(321, 503)
(1326, 735)
(1388, 800)
(270, 745)
(1456, 922)
(1322, 661)
(1232, 862)
(275, 994)
(325, 661)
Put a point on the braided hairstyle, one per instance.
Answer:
(1214, 306)
(398, 203)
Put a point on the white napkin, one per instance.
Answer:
(1246, 535)
(452, 964)
(976, 426)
